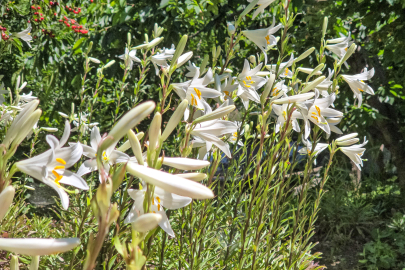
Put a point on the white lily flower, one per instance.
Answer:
(6, 199)
(195, 91)
(161, 199)
(357, 84)
(226, 88)
(110, 156)
(170, 183)
(191, 69)
(171, 51)
(279, 90)
(38, 246)
(282, 114)
(84, 126)
(262, 4)
(307, 150)
(160, 59)
(51, 166)
(25, 35)
(210, 131)
(340, 45)
(263, 38)
(129, 58)
(27, 97)
(283, 69)
(319, 111)
(249, 83)
(355, 152)
(234, 136)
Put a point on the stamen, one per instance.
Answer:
(244, 82)
(267, 39)
(285, 116)
(286, 71)
(248, 78)
(346, 49)
(61, 160)
(361, 90)
(198, 92)
(318, 110)
(59, 167)
(158, 199)
(309, 151)
(316, 118)
(158, 207)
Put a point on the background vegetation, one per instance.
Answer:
(365, 213)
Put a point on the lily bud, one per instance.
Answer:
(295, 98)
(170, 183)
(23, 86)
(304, 55)
(127, 122)
(129, 39)
(348, 139)
(231, 29)
(6, 198)
(184, 58)
(27, 127)
(154, 132)
(313, 84)
(349, 53)
(197, 177)
(38, 246)
(136, 146)
(180, 48)
(49, 129)
(146, 222)
(154, 42)
(267, 89)
(175, 119)
(94, 60)
(109, 64)
(252, 59)
(185, 163)
(325, 26)
(218, 113)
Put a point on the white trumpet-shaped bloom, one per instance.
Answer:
(109, 158)
(282, 112)
(51, 167)
(355, 152)
(38, 246)
(249, 83)
(129, 58)
(210, 131)
(340, 45)
(263, 38)
(308, 149)
(161, 199)
(357, 84)
(25, 35)
(283, 69)
(170, 183)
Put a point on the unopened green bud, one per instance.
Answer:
(325, 26)
(204, 63)
(252, 59)
(267, 89)
(304, 55)
(312, 84)
(129, 39)
(349, 53)
(154, 42)
(109, 64)
(180, 48)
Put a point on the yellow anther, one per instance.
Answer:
(316, 118)
(58, 177)
(153, 212)
(158, 199)
(158, 207)
(59, 167)
(198, 92)
(362, 81)
(285, 116)
(244, 82)
(61, 160)
(309, 151)
(361, 90)
(346, 49)
(248, 78)
(193, 100)
(267, 39)
(318, 110)
(235, 134)
(286, 71)
(153, 202)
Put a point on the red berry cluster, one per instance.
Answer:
(74, 25)
(75, 10)
(40, 16)
(53, 4)
(3, 35)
